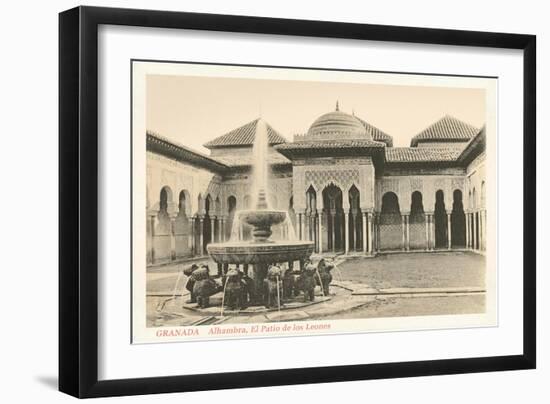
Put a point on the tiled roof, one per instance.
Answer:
(474, 147)
(275, 159)
(244, 136)
(377, 134)
(331, 144)
(169, 148)
(422, 154)
(448, 129)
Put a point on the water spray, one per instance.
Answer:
(163, 304)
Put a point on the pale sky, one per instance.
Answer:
(193, 110)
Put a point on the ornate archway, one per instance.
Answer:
(182, 230)
(162, 244)
(355, 232)
(334, 212)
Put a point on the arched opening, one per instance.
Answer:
(391, 228)
(440, 219)
(231, 208)
(181, 226)
(207, 227)
(309, 230)
(458, 221)
(355, 220)
(163, 231)
(332, 209)
(417, 223)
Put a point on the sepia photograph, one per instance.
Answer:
(272, 201)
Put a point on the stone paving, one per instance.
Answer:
(383, 286)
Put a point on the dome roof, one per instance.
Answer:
(338, 125)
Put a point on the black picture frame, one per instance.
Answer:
(78, 200)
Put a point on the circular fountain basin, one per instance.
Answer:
(262, 218)
(246, 252)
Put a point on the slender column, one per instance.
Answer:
(314, 229)
(467, 230)
(408, 233)
(152, 235)
(332, 235)
(484, 213)
(364, 229)
(471, 222)
(346, 231)
(403, 233)
(377, 232)
(307, 222)
(300, 234)
(192, 235)
(172, 237)
(358, 234)
(201, 235)
(320, 232)
(449, 231)
(427, 222)
(222, 230)
(481, 230)
(312, 226)
(370, 230)
(213, 228)
(304, 227)
(475, 226)
(352, 229)
(432, 231)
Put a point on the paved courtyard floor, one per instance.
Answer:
(388, 285)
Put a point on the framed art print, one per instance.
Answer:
(280, 201)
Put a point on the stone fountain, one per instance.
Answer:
(261, 251)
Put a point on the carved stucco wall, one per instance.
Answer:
(343, 173)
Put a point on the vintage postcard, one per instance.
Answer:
(272, 202)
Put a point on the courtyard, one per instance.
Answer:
(388, 285)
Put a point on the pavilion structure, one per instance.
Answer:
(344, 184)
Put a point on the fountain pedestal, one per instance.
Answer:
(261, 251)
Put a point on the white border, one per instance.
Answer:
(119, 359)
(143, 334)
